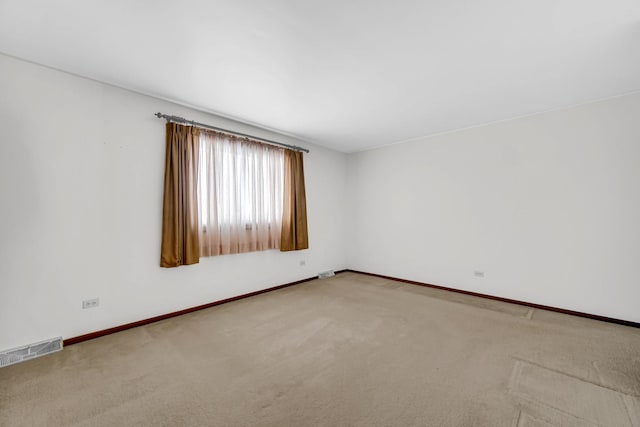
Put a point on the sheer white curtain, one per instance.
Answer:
(240, 190)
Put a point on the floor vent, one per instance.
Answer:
(31, 351)
(326, 274)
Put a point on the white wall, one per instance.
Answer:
(548, 206)
(81, 172)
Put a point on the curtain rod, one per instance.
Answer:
(182, 120)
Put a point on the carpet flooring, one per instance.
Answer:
(352, 350)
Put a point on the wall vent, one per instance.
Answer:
(326, 274)
(31, 351)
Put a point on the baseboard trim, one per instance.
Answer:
(509, 300)
(101, 333)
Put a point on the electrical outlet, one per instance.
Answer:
(91, 303)
(303, 262)
(478, 273)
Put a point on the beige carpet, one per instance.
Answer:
(352, 350)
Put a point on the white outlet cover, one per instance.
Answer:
(91, 303)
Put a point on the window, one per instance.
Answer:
(225, 194)
(240, 194)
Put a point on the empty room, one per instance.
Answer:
(296, 213)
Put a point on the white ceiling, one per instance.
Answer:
(349, 74)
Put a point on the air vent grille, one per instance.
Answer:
(326, 274)
(31, 351)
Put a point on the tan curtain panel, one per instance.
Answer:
(294, 214)
(180, 241)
